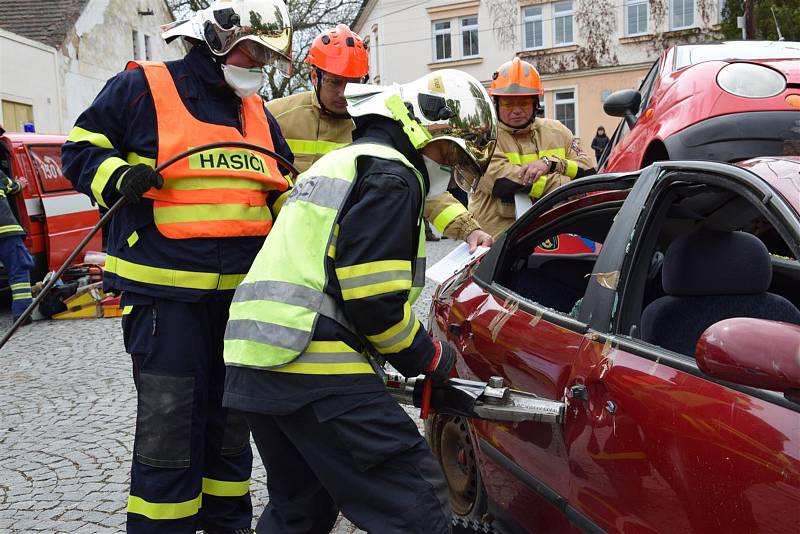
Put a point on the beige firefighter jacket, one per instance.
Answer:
(311, 133)
(516, 147)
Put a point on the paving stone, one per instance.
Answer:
(67, 424)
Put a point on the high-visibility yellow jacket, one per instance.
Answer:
(493, 202)
(311, 134)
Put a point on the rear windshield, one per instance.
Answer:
(694, 54)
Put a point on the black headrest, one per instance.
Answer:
(716, 263)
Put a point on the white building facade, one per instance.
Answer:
(583, 49)
(50, 83)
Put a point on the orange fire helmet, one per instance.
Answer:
(516, 78)
(339, 51)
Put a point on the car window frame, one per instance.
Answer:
(771, 204)
(486, 274)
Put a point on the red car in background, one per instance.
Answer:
(721, 101)
(674, 348)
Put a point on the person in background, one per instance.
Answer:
(13, 252)
(599, 143)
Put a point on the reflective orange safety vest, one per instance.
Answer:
(220, 192)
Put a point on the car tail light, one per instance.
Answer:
(793, 100)
(750, 80)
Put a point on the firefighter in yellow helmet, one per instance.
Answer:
(534, 155)
(316, 122)
(333, 286)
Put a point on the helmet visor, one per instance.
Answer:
(466, 172)
(266, 56)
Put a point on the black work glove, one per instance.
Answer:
(137, 180)
(505, 189)
(440, 366)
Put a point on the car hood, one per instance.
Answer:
(790, 68)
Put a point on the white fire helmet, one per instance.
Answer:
(261, 27)
(447, 106)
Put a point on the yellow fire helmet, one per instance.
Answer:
(262, 27)
(445, 106)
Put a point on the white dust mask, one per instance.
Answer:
(244, 82)
(438, 175)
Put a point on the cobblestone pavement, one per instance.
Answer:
(67, 413)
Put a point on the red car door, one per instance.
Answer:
(654, 445)
(521, 325)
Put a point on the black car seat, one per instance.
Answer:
(709, 276)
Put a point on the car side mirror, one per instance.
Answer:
(752, 352)
(624, 103)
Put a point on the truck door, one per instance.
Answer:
(68, 215)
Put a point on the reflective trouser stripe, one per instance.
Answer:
(538, 186)
(165, 510)
(21, 291)
(448, 215)
(126, 310)
(171, 277)
(225, 488)
(312, 147)
(328, 358)
(399, 336)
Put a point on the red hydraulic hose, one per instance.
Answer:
(115, 208)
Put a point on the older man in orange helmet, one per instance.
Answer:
(533, 155)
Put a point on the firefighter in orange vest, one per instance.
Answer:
(316, 122)
(533, 155)
(180, 246)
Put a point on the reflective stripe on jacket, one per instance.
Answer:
(215, 193)
(275, 309)
(311, 134)
(8, 223)
(515, 148)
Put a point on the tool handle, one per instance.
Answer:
(425, 404)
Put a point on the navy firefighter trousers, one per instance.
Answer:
(18, 262)
(191, 457)
(360, 454)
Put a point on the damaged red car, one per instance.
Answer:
(674, 348)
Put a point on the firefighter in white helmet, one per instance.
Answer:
(180, 245)
(307, 319)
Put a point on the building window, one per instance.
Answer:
(562, 22)
(442, 48)
(565, 108)
(469, 37)
(682, 14)
(137, 52)
(533, 35)
(635, 17)
(16, 115)
(148, 48)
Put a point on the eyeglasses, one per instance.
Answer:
(335, 82)
(516, 102)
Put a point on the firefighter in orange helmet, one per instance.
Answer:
(316, 122)
(533, 155)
